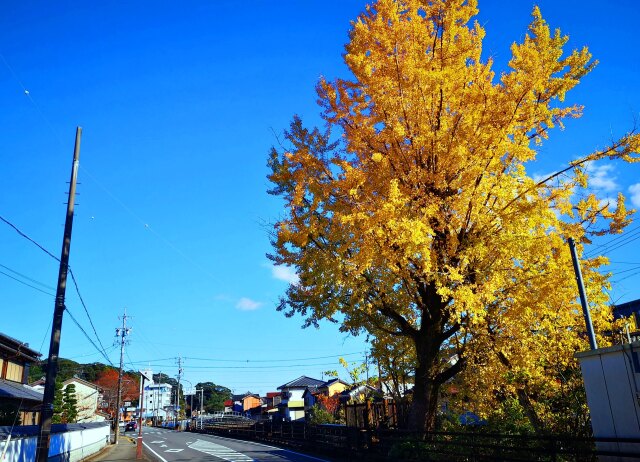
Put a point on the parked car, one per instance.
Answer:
(131, 426)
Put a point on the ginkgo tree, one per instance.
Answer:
(413, 216)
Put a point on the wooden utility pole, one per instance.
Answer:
(44, 436)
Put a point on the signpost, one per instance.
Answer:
(143, 375)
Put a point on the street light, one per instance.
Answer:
(191, 393)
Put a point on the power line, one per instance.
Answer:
(250, 360)
(73, 277)
(28, 238)
(27, 284)
(616, 281)
(24, 276)
(75, 283)
(150, 229)
(274, 360)
(251, 368)
(615, 243)
(87, 336)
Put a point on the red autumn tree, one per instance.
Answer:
(330, 403)
(108, 382)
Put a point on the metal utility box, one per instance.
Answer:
(612, 382)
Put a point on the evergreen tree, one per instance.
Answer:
(58, 402)
(70, 404)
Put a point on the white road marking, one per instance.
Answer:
(275, 448)
(217, 450)
(163, 445)
(174, 450)
(155, 453)
(157, 442)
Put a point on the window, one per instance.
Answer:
(15, 372)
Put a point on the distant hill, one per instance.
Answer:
(68, 369)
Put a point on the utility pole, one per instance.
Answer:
(44, 436)
(201, 405)
(366, 365)
(583, 295)
(121, 334)
(178, 390)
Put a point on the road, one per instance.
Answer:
(172, 446)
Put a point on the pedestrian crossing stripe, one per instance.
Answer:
(222, 452)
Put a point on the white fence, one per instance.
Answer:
(69, 443)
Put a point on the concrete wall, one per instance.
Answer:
(69, 443)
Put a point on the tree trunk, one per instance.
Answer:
(424, 404)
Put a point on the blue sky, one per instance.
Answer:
(180, 103)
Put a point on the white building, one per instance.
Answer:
(87, 395)
(157, 401)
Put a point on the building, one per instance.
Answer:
(333, 386)
(157, 401)
(88, 395)
(630, 311)
(292, 405)
(15, 395)
(270, 403)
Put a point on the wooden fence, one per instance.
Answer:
(378, 444)
(379, 415)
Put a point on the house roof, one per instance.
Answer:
(624, 310)
(366, 390)
(302, 382)
(9, 389)
(16, 346)
(273, 394)
(336, 380)
(83, 382)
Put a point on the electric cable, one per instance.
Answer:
(24, 276)
(87, 336)
(73, 278)
(614, 243)
(27, 284)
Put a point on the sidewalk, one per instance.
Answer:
(125, 450)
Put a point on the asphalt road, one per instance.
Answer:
(172, 446)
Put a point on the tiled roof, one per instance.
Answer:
(302, 382)
(9, 389)
(22, 348)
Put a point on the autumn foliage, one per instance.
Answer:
(330, 403)
(107, 380)
(413, 216)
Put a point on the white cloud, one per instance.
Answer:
(634, 189)
(285, 273)
(601, 177)
(246, 304)
(612, 202)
